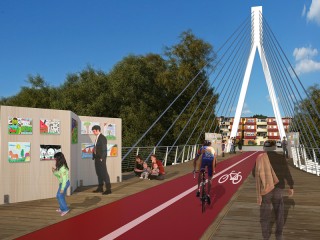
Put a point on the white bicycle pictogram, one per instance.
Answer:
(234, 177)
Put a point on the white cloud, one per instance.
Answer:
(268, 98)
(313, 15)
(304, 10)
(245, 110)
(306, 66)
(305, 62)
(302, 53)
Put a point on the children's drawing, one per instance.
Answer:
(18, 152)
(48, 126)
(109, 130)
(74, 131)
(19, 125)
(47, 152)
(86, 127)
(112, 150)
(87, 150)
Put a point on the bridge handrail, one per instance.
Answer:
(306, 159)
(178, 154)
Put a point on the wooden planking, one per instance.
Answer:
(18, 219)
(240, 218)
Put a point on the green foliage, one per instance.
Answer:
(259, 116)
(314, 124)
(38, 95)
(139, 89)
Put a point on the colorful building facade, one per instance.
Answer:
(253, 131)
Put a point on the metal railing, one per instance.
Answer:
(306, 159)
(177, 155)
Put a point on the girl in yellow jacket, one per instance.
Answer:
(61, 171)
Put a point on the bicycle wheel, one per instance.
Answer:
(203, 197)
(236, 181)
(223, 178)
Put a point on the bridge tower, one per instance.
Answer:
(257, 44)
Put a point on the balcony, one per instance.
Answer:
(262, 130)
(273, 130)
(273, 137)
(250, 130)
(249, 137)
(261, 135)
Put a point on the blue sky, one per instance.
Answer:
(54, 38)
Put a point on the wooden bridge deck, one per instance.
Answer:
(238, 220)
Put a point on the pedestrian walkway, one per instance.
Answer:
(18, 219)
(239, 219)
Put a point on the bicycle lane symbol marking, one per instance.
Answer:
(121, 230)
(234, 177)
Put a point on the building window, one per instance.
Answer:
(250, 134)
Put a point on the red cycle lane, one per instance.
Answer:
(171, 207)
(184, 219)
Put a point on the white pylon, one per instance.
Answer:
(257, 38)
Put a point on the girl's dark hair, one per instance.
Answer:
(60, 160)
(138, 156)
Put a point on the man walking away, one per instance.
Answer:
(284, 144)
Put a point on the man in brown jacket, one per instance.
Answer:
(271, 173)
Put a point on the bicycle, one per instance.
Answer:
(203, 191)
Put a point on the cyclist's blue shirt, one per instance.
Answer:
(207, 158)
(207, 155)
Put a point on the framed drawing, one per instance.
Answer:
(47, 152)
(18, 152)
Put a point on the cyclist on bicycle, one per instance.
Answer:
(209, 159)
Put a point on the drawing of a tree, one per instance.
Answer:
(87, 124)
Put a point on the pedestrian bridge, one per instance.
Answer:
(140, 209)
(228, 76)
(306, 159)
(137, 208)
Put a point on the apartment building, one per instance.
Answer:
(253, 131)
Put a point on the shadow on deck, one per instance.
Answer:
(240, 217)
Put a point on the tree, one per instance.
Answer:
(189, 61)
(38, 95)
(259, 116)
(86, 93)
(311, 118)
(137, 96)
(139, 89)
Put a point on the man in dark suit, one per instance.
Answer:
(284, 144)
(100, 158)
